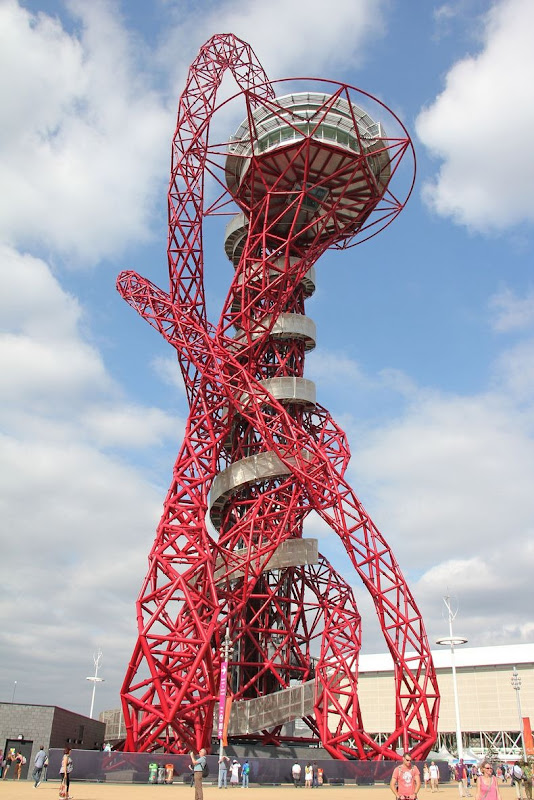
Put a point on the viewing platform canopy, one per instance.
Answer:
(325, 118)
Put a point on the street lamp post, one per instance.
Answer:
(516, 683)
(453, 641)
(226, 651)
(97, 658)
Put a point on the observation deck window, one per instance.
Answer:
(328, 133)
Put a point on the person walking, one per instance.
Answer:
(434, 777)
(469, 773)
(223, 772)
(487, 785)
(198, 770)
(460, 776)
(517, 780)
(426, 775)
(38, 765)
(295, 774)
(406, 780)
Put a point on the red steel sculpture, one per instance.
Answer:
(308, 170)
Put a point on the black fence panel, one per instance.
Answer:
(118, 767)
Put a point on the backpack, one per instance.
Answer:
(205, 770)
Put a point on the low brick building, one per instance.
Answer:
(26, 727)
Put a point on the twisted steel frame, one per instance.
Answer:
(300, 622)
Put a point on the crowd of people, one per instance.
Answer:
(473, 780)
(238, 774)
(467, 776)
(13, 760)
(232, 773)
(481, 781)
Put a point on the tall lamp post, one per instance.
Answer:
(453, 641)
(516, 683)
(97, 658)
(226, 651)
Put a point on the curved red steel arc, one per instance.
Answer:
(196, 585)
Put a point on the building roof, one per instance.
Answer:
(496, 655)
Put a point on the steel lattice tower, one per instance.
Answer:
(308, 170)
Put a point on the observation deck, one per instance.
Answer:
(321, 154)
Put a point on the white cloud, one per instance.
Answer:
(32, 300)
(335, 366)
(451, 466)
(78, 521)
(131, 426)
(78, 527)
(448, 482)
(326, 365)
(84, 135)
(49, 374)
(445, 12)
(168, 370)
(481, 125)
(55, 375)
(288, 38)
(481, 585)
(49, 364)
(449, 485)
(514, 368)
(512, 313)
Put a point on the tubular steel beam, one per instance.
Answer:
(308, 172)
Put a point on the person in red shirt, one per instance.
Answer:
(406, 780)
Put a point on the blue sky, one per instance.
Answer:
(425, 333)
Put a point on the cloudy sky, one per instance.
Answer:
(425, 333)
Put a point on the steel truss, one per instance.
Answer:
(506, 745)
(259, 453)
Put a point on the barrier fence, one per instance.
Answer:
(118, 767)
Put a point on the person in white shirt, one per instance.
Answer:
(234, 773)
(517, 777)
(434, 777)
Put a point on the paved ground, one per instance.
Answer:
(22, 790)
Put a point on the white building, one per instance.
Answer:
(487, 701)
